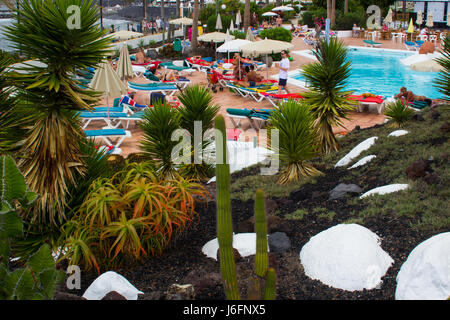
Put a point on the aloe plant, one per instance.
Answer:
(264, 277)
(37, 280)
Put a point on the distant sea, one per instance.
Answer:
(119, 24)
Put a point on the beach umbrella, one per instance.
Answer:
(283, 8)
(218, 23)
(410, 28)
(227, 36)
(249, 36)
(238, 19)
(124, 67)
(183, 21)
(231, 25)
(388, 18)
(125, 35)
(107, 81)
(232, 46)
(429, 22)
(214, 37)
(419, 20)
(266, 46)
(269, 14)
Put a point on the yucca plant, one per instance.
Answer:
(158, 125)
(197, 107)
(13, 119)
(443, 80)
(327, 98)
(399, 112)
(50, 152)
(297, 140)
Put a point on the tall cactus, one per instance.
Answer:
(224, 222)
(263, 284)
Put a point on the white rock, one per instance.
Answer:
(385, 189)
(111, 281)
(363, 161)
(245, 243)
(356, 151)
(346, 256)
(398, 133)
(425, 275)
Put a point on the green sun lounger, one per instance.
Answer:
(371, 43)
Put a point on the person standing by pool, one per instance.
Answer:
(283, 75)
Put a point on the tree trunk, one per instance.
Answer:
(162, 9)
(145, 5)
(202, 4)
(195, 27)
(246, 15)
(267, 3)
(333, 13)
(329, 9)
(346, 6)
(178, 9)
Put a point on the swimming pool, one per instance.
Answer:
(381, 72)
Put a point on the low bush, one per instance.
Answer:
(276, 34)
(398, 112)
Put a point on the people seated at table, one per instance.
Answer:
(409, 96)
(355, 31)
(424, 31)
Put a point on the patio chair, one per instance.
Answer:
(370, 43)
(165, 88)
(107, 134)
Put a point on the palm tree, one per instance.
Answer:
(162, 11)
(346, 6)
(246, 15)
(145, 5)
(328, 99)
(178, 8)
(194, 27)
(333, 13)
(443, 80)
(49, 155)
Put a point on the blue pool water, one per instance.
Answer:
(381, 72)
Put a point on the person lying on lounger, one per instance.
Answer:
(141, 57)
(252, 78)
(168, 75)
(410, 97)
(199, 60)
(129, 99)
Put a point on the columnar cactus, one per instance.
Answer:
(264, 284)
(224, 222)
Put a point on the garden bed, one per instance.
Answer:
(304, 209)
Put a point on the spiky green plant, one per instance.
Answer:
(38, 278)
(50, 153)
(443, 80)
(262, 284)
(327, 98)
(158, 125)
(197, 107)
(399, 112)
(12, 117)
(297, 140)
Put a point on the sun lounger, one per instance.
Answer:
(166, 89)
(371, 43)
(250, 115)
(377, 101)
(274, 98)
(411, 46)
(87, 117)
(199, 66)
(107, 134)
(252, 92)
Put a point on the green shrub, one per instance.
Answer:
(238, 34)
(276, 34)
(309, 16)
(346, 21)
(398, 112)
